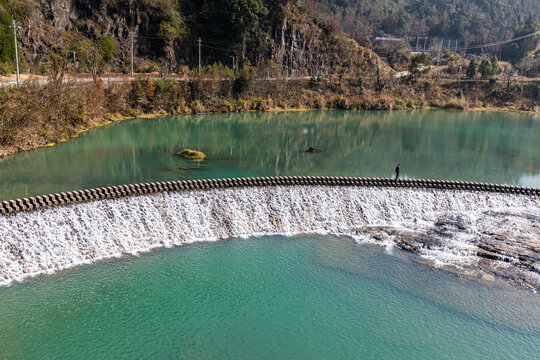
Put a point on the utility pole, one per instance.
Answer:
(74, 66)
(243, 53)
(440, 49)
(16, 51)
(131, 35)
(200, 43)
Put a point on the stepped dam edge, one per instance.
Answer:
(485, 231)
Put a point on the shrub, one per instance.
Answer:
(399, 104)
(150, 89)
(196, 107)
(358, 104)
(227, 106)
(339, 102)
(131, 112)
(456, 104)
(434, 103)
(319, 103)
(242, 84)
(260, 104)
(7, 68)
(382, 104)
(242, 105)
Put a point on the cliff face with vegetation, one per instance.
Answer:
(166, 32)
(300, 36)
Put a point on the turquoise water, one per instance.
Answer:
(470, 146)
(306, 297)
(274, 297)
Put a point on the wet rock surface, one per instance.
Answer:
(494, 247)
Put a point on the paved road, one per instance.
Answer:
(125, 79)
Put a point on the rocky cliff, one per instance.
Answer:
(168, 30)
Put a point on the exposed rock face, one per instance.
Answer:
(504, 251)
(296, 43)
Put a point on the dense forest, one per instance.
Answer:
(300, 36)
(473, 21)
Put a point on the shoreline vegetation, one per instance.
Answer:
(34, 115)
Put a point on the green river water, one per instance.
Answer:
(306, 297)
(469, 146)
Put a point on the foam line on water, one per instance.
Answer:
(49, 240)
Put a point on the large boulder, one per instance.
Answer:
(192, 154)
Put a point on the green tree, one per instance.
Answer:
(7, 48)
(227, 19)
(107, 48)
(98, 53)
(344, 56)
(472, 69)
(495, 67)
(420, 64)
(485, 69)
(172, 27)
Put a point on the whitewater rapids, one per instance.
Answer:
(496, 234)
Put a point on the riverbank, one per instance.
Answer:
(34, 115)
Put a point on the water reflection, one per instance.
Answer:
(474, 146)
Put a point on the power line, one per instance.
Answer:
(500, 43)
(472, 47)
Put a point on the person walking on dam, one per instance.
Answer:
(397, 171)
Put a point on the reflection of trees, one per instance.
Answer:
(494, 147)
(411, 139)
(436, 144)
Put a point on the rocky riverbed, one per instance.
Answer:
(494, 246)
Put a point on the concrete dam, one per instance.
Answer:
(480, 230)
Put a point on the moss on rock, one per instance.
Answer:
(192, 154)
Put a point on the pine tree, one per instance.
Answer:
(495, 68)
(471, 70)
(485, 69)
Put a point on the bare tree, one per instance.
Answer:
(58, 56)
(507, 74)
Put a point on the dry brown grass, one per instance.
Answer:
(34, 115)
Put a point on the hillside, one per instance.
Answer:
(165, 34)
(472, 21)
(298, 36)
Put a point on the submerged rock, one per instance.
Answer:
(313, 150)
(192, 154)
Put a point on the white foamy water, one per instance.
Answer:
(53, 239)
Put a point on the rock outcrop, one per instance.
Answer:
(487, 255)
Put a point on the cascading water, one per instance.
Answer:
(491, 234)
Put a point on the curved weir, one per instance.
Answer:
(482, 230)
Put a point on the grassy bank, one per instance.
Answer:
(33, 115)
